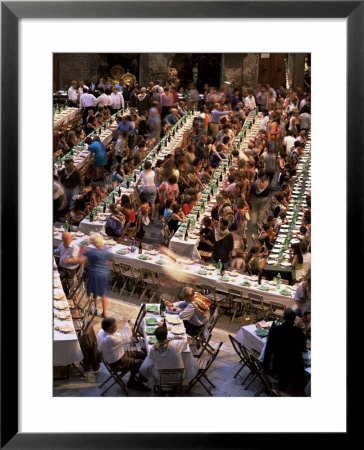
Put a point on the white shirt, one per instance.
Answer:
(72, 94)
(87, 100)
(168, 357)
(68, 252)
(191, 314)
(147, 178)
(249, 102)
(263, 123)
(80, 90)
(103, 100)
(111, 345)
(117, 100)
(288, 142)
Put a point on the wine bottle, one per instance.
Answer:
(91, 216)
(164, 322)
(119, 191)
(163, 307)
(104, 208)
(140, 248)
(186, 235)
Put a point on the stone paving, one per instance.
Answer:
(221, 373)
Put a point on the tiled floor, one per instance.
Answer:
(82, 384)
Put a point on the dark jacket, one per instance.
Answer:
(284, 350)
(222, 248)
(88, 344)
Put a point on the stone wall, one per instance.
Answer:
(238, 68)
(153, 66)
(76, 66)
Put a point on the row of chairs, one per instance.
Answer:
(235, 303)
(249, 358)
(136, 280)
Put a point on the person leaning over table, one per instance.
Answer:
(221, 242)
(98, 260)
(165, 354)
(194, 310)
(67, 268)
(176, 218)
(72, 94)
(110, 343)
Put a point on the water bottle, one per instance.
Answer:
(219, 267)
(66, 226)
(279, 281)
(163, 308)
(132, 245)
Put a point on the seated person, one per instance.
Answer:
(167, 208)
(194, 310)
(110, 343)
(176, 218)
(165, 354)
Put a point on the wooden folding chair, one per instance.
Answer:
(213, 320)
(276, 309)
(137, 329)
(169, 381)
(211, 293)
(243, 361)
(116, 375)
(257, 306)
(150, 284)
(127, 274)
(237, 301)
(201, 374)
(202, 344)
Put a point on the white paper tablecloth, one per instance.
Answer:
(66, 348)
(184, 273)
(65, 116)
(189, 361)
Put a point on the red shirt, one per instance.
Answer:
(187, 208)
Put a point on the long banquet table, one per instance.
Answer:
(188, 271)
(65, 116)
(190, 364)
(66, 348)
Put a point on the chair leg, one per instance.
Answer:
(143, 294)
(251, 381)
(206, 388)
(241, 368)
(105, 381)
(211, 384)
(247, 377)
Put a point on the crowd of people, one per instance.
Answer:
(249, 209)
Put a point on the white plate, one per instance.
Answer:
(275, 250)
(65, 328)
(271, 261)
(178, 330)
(64, 315)
(57, 284)
(173, 320)
(286, 264)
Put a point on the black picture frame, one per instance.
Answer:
(11, 12)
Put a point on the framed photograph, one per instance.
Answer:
(38, 40)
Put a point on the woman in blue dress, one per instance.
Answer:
(98, 260)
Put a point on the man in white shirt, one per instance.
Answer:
(165, 354)
(288, 142)
(110, 343)
(87, 102)
(67, 251)
(103, 99)
(191, 310)
(249, 101)
(80, 88)
(117, 100)
(73, 94)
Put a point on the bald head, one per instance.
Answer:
(66, 238)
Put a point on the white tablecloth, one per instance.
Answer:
(189, 361)
(66, 349)
(88, 227)
(65, 116)
(185, 273)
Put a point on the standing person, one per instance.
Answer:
(117, 100)
(103, 99)
(71, 180)
(147, 177)
(100, 156)
(249, 101)
(155, 122)
(87, 103)
(166, 102)
(98, 262)
(270, 165)
(216, 114)
(222, 243)
(303, 296)
(283, 352)
(73, 94)
(143, 102)
(273, 134)
(193, 96)
(260, 195)
(67, 250)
